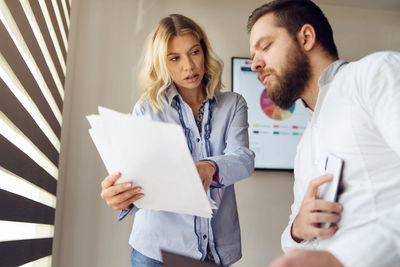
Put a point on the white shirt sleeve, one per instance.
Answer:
(374, 244)
(287, 241)
(380, 90)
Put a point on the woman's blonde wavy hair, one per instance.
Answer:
(154, 78)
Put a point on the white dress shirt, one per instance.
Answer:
(357, 118)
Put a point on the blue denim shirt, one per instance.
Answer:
(225, 142)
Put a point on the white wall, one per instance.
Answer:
(106, 40)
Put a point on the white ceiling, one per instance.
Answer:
(393, 5)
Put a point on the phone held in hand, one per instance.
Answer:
(330, 191)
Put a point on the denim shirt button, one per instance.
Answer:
(198, 139)
(204, 236)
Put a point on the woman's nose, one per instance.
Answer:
(188, 63)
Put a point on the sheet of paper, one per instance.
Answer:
(153, 155)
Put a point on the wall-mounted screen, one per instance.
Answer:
(273, 132)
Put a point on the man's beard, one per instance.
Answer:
(290, 85)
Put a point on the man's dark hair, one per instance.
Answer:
(293, 14)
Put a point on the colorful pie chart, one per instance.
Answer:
(271, 110)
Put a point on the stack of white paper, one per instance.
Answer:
(153, 155)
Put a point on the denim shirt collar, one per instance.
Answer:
(172, 93)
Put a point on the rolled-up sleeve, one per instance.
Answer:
(132, 209)
(237, 162)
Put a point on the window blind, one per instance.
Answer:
(33, 50)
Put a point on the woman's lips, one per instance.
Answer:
(192, 78)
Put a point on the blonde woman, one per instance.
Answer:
(181, 84)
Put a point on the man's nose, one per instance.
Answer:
(257, 64)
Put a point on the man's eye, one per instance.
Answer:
(265, 47)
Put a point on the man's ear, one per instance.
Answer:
(307, 37)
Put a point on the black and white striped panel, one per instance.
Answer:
(33, 51)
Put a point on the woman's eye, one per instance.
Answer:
(174, 58)
(195, 52)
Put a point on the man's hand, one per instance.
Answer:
(206, 171)
(314, 211)
(119, 196)
(301, 258)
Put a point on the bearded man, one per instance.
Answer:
(354, 114)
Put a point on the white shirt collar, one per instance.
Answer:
(324, 80)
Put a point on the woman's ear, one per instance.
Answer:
(307, 37)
